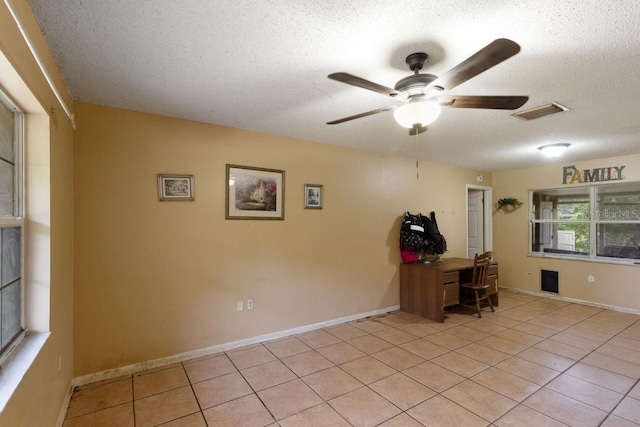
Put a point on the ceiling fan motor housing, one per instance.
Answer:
(415, 84)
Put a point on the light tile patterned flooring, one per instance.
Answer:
(535, 362)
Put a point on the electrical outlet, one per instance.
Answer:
(591, 278)
(239, 306)
(250, 304)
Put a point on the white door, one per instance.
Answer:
(567, 240)
(546, 229)
(475, 223)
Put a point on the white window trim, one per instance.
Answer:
(18, 361)
(592, 255)
(36, 247)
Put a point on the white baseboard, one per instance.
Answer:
(156, 363)
(65, 405)
(572, 300)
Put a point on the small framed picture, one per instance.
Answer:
(312, 196)
(254, 193)
(175, 187)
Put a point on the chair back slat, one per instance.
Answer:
(478, 289)
(481, 265)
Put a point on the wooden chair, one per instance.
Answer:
(479, 285)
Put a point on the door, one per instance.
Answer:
(475, 222)
(546, 229)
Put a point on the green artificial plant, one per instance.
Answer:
(509, 201)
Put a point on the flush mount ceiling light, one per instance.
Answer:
(553, 150)
(418, 113)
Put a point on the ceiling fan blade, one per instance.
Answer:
(360, 82)
(490, 102)
(487, 57)
(357, 116)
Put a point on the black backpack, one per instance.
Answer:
(412, 237)
(435, 243)
(419, 233)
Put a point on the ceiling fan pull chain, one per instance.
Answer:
(417, 168)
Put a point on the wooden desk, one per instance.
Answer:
(426, 289)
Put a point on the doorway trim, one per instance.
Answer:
(487, 194)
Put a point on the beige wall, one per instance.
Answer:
(154, 279)
(40, 396)
(616, 285)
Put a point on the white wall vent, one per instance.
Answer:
(543, 110)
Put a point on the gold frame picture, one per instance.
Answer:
(254, 193)
(173, 187)
(313, 196)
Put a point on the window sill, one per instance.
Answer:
(586, 258)
(18, 363)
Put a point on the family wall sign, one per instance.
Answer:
(571, 174)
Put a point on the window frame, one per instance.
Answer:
(17, 220)
(593, 222)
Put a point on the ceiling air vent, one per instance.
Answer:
(543, 110)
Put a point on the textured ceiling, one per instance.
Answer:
(263, 66)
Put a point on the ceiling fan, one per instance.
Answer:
(422, 94)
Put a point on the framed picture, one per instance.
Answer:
(254, 193)
(175, 187)
(312, 196)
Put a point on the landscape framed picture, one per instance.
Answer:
(312, 196)
(172, 187)
(254, 193)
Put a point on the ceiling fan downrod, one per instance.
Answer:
(416, 61)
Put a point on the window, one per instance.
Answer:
(600, 222)
(10, 224)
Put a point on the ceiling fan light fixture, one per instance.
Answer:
(420, 113)
(553, 150)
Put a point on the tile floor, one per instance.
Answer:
(535, 362)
